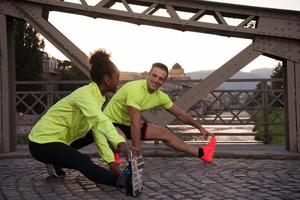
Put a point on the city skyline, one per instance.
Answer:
(135, 48)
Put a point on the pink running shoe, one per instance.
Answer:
(209, 150)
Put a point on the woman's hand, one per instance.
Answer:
(114, 168)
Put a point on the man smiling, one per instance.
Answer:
(126, 106)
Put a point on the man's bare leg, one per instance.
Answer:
(158, 133)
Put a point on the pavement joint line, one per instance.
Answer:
(234, 151)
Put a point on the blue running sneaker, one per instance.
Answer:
(126, 176)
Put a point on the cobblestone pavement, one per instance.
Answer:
(164, 178)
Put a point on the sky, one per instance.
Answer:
(134, 48)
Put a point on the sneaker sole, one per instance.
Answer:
(213, 152)
(51, 171)
(137, 166)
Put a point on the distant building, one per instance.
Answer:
(129, 76)
(133, 75)
(177, 72)
(50, 66)
(144, 74)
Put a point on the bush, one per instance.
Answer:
(276, 128)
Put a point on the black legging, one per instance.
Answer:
(62, 155)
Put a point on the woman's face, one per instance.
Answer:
(114, 81)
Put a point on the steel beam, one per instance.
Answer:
(297, 89)
(279, 48)
(291, 106)
(207, 85)
(268, 22)
(33, 15)
(7, 86)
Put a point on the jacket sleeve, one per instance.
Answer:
(104, 132)
(103, 148)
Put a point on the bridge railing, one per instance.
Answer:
(258, 103)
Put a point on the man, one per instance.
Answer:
(126, 106)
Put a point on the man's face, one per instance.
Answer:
(156, 78)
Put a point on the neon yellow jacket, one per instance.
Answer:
(73, 116)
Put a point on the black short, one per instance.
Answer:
(127, 130)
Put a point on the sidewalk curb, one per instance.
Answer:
(171, 153)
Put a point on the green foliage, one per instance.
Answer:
(69, 72)
(277, 131)
(28, 46)
(29, 63)
(278, 71)
(271, 93)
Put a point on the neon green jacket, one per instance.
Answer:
(73, 116)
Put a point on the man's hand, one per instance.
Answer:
(137, 150)
(204, 132)
(114, 168)
(124, 149)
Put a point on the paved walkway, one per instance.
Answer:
(239, 172)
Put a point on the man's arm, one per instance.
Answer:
(135, 118)
(186, 118)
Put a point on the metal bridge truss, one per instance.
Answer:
(275, 33)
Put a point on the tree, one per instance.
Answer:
(28, 46)
(67, 71)
(29, 63)
(277, 73)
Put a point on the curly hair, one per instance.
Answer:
(101, 65)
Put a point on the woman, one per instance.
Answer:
(76, 121)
